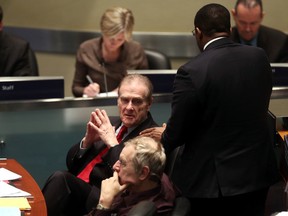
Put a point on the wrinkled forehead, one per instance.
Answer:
(242, 9)
(133, 89)
(127, 153)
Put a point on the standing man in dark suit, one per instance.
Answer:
(219, 113)
(248, 15)
(14, 54)
(76, 192)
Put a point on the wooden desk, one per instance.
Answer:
(27, 183)
(283, 133)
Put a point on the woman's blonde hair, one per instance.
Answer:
(116, 20)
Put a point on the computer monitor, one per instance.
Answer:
(280, 74)
(26, 88)
(162, 80)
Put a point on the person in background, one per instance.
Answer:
(138, 177)
(75, 192)
(220, 118)
(102, 62)
(14, 54)
(248, 15)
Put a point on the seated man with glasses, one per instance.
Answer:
(138, 176)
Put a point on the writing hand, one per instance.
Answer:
(92, 90)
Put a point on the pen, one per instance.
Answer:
(89, 79)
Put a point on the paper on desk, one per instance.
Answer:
(20, 202)
(108, 94)
(7, 190)
(10, 211)
(6, 174)
(104, 94)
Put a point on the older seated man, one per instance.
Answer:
(74, 192)
(138, 177)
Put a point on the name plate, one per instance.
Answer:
(26, 88)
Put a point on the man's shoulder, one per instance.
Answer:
(11, 40)
(272, 33)
(148, 123)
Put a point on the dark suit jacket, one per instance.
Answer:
(76, 162)
(14, 56)
(274, 42)
(219, 111)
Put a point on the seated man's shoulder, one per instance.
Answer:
(272, 33)
(13, 40)
(169, 187)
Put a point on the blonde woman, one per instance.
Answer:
(102, 62)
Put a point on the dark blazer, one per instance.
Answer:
(219, 113)
(14, 56)
(274, 42)
(76, 162)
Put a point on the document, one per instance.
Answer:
(7, 175)
(20, 202)
(108, 94)
(104, 94)
(7, 190)
(10, 211)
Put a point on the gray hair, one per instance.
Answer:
(141, 78)
(249, 4)
(148, 153)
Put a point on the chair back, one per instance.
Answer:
(143, 208)
(157, 59)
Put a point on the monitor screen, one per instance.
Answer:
(280, 74)
(162, 80)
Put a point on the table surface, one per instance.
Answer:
(28, 184)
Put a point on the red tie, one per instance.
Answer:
(121, 133)
(85, 173)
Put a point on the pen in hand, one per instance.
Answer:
(92, 89)
(89, 79)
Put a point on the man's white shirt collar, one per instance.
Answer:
(211, 41)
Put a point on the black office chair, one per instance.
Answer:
(144, 208)
(157, 59)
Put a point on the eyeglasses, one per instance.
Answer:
(193, 32)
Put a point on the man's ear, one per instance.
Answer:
(262, 15)
(233, 12)
(150, 104)
(1, 25)
(199, 32)
(144, 173)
